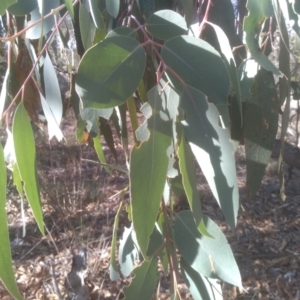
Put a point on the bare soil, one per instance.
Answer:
(80, 200)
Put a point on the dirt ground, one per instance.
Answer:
(80, 200)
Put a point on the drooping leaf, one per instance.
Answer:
(156, 241)
(87, 27)
(107, 133)
(196, 62)
(96, 14)
(100, 153)
(21, 7)
(252, 26)
(113, 7)
(113, 268)
(3, 93)
(44, 27)
(187, 170)
(54, 111)
(229, 63)
(212, 257)
(127, 252)
(26, 160)
(105, 82)
(263, 107)
(201, 287)
(6, 271)
(148, 171)
(166, 24)
(144, 282)
(70, 8)
(213, 151)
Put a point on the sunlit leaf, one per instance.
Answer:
(53, 112)
(26, 159)
(44, 27)
(263, 107)
(127, 252)
(212, 257)
(196, 62)
(127, 31)
(105, 82)
(252, 26)
(187, 169)
(6, 271)
(166, 24)
(213, 151)
(201, 287)
(96, 14)
(148, 171)
(144, 282)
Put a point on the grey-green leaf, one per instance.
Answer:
(166, 24)
(144, 282)
(201, 287)
(6, 271)
(21, 7)
(196, 62)
(113, 7)
(263, 107)
(212, 257)
(44, 27)
(26, 159)
(109, 72)
(213, 151)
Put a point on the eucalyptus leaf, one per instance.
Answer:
(166, 24)
(211, 257)
(6, 271)
(105, 82)
(21, 7)
(195, 62)
(26, 159)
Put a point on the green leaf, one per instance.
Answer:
(21, 7)
(229, 63)
(213, 151)
(4, 91)
(96, 14)
(87, 27)
(105, 82)
(127, 252)
(187, 170)
(26, 160)
(190, 11)
(113, 268)
(196, 62)
(144, 282)
(263, 107)
(70, 8)
(166, 24)
(6, 271)
(91, 115)
(252, 26)
(148, 171)
(201, 287)
(99, 150)
(113, 7)
(126, 31)
(52, 105)
(44, 27)
(212, 257)
(247, 71)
